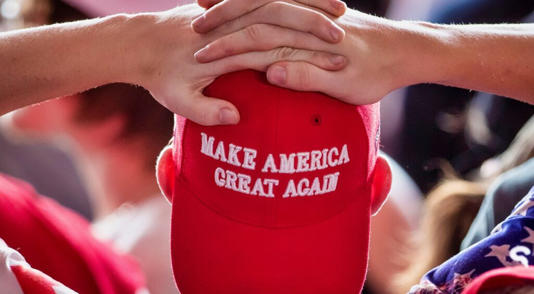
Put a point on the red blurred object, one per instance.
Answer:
(58, 242)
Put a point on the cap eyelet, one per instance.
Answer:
(316, 120)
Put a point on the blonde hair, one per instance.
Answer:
(449, 211)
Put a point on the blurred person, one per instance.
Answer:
(115, 133)
(49, 169)
(510, 244)
(391, 231)
(459, 213)
(520, 151)
(448, 212)
(502, 195)
(513, 168)
(57, 242)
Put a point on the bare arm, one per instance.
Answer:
(153, 50)
(497, 59)
(47, 62)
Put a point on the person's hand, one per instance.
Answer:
(379, 54)
(280, 13)
(165, 65)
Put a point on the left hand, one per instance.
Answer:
(381, 57)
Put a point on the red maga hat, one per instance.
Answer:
(279, 203)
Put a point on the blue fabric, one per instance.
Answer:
(511, 243)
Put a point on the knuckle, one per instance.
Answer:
(203, 117)
(320, 19)
(321, 59)
(254, 32)
(317, 56)
(284, 53)
(303, 76)
(224, 47)
(276, 6)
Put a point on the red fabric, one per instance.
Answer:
(59, 243)
(32, 281)
(226, 241)
(500, 278)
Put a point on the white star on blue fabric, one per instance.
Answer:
(530, 238)
(501, 252)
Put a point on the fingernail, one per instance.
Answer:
(338, 6)
(337, 59)
(335, 34)
(278, 75)
(227, 116)
(202, 54)
(199, 21)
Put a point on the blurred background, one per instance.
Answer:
(455, 153)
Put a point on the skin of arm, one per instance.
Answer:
(384, 55)
(47, 62)
(491, 58)
(153, 50)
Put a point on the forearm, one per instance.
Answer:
(490, 58)
(58, 60)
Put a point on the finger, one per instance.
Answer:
(293, 17)
(206, 111)
(262, 60)
(259, 37)
(333, 7)
(302, 76)
(279, 13)
(208, 3)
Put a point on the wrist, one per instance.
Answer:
(130, 59)
(426, 52)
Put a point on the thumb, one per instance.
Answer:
(207, 111)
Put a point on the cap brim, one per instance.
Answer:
(214, 254)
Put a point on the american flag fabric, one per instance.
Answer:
(18, 277)
(511, 243)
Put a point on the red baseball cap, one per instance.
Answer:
(501, 278)
(279, 203)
